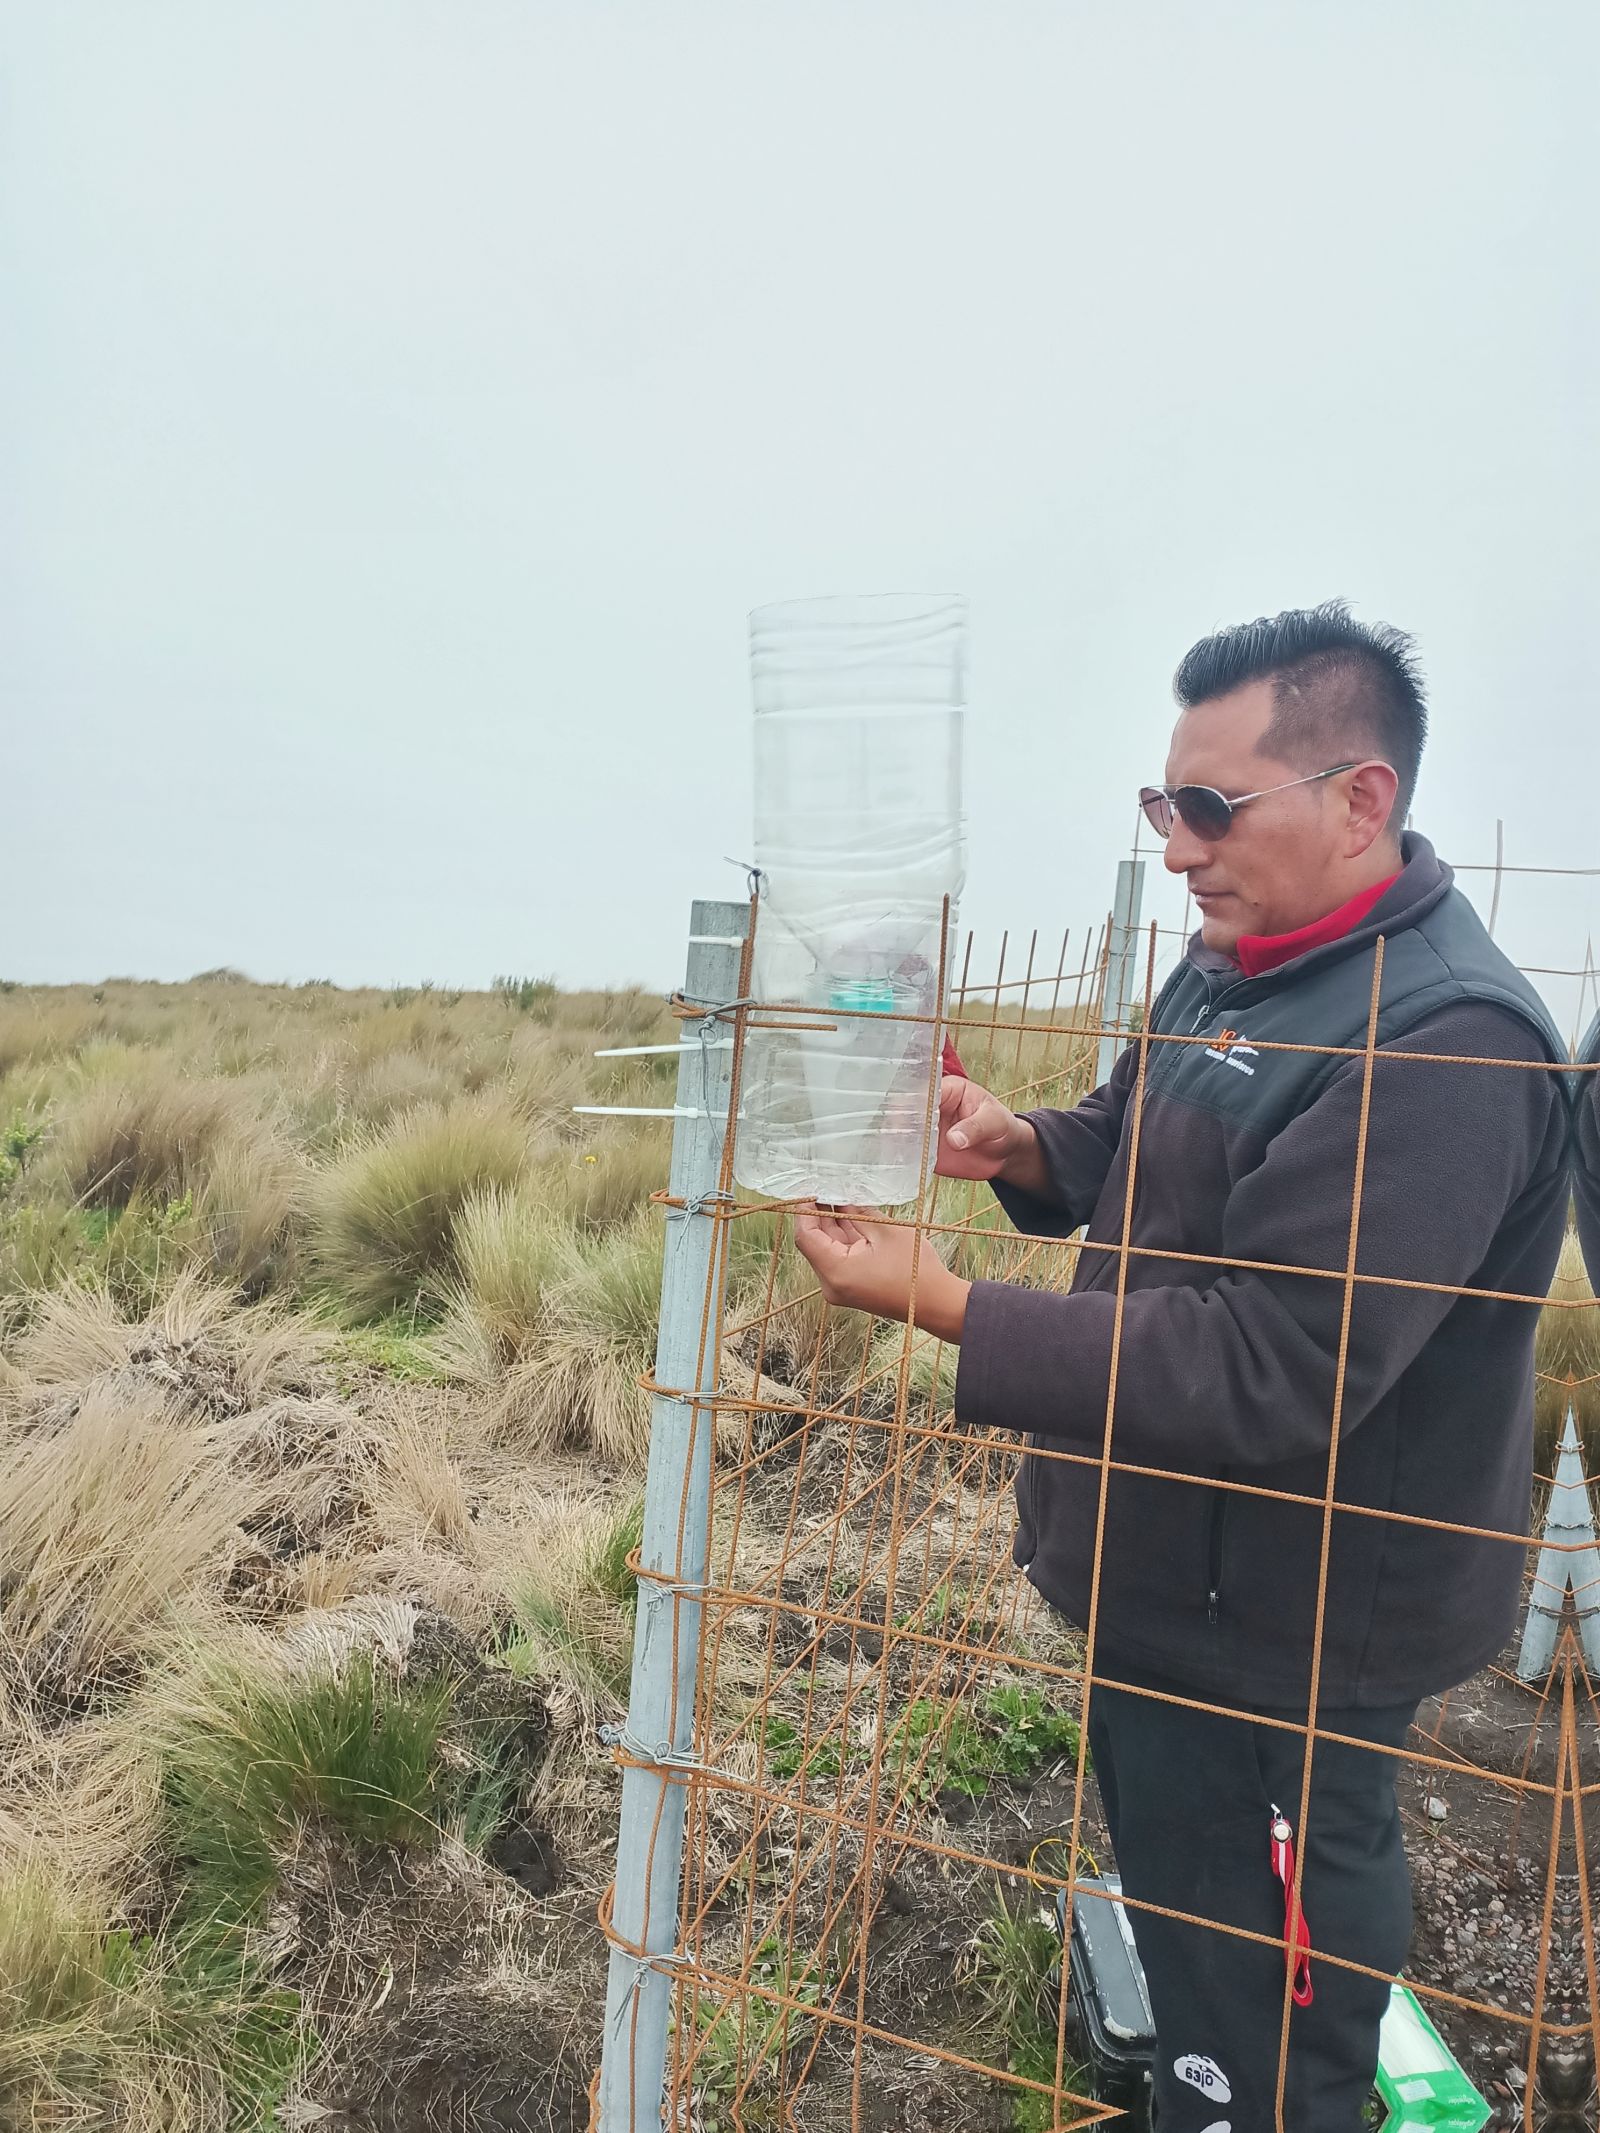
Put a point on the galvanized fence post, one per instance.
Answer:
(658, 1740)
(1569, 1565)
(1116, 1007)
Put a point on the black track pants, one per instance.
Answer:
(1188, 1799)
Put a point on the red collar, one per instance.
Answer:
(1258, 952)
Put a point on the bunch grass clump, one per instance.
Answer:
(108, 1527)
(574, 1598)
(600, 1184)
(69, 2008)
(512, 1252)
(560, 1325)
(385, 1212)
(148, 1133)
(580, 1384)
(1013, 1973)
(256, 1754)
(99, 2026)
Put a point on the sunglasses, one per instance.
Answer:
(1204, 810)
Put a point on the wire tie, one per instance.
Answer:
(642, 1966)
(754, 876)
(699, 1205)
(662, 1757)
(653, 1590)
(684, 1399)
(711, 1010)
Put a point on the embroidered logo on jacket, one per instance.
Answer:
(1230, 1049)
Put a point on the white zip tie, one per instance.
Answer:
(645, 1051)
(754, 876)
(640, 1110)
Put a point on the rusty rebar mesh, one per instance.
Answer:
(891, 1788)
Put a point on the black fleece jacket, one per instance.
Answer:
(1226, 1376)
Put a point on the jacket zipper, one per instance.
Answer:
(1213, 1000)
(1026, 1513)
(1216, 1555)
(1194, 1026)
(1216, 1541)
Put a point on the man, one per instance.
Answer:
(1288, 781)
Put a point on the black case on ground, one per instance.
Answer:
(1109, 1999)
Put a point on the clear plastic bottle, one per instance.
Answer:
(859, 836)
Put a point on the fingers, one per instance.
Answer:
(846, 1220)
(986, 1121)
(812, 1241)
(824, 1228)
(959, 1100)
(848, 1226)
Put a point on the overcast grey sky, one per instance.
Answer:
(404, 404)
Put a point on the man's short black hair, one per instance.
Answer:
(1342, 687)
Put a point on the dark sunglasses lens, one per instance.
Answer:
(1206, 812)
(1157, 809)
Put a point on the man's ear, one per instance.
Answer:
(1372, 791)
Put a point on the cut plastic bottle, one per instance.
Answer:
(860, 840)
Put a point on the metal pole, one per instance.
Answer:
(1569, 1562)
(659, 1736)
(1116, 1010)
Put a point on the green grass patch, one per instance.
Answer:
(485, 1792)
(744, 2041)
(260, 1754)
(787, 1754)
(1026, 1733)
(400, 1344)
(18, 1139)
(934, 1746)
(610, 1572)
(93, 2017)
(1014, 1974)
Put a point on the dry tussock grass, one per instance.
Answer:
(114, 1521)
(197, 1342)
(555, 1325)
(512, 1253)
(603, 1182)
(144, 1131)
(330, 1150)
(204, 1465)
(82, 1800)
(385, 1212)
(416, 1490)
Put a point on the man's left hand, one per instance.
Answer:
(863, 1263)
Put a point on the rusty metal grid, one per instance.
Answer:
(861, 1571)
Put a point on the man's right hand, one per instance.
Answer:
(980, 1138)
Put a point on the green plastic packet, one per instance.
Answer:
(1419, 2079)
